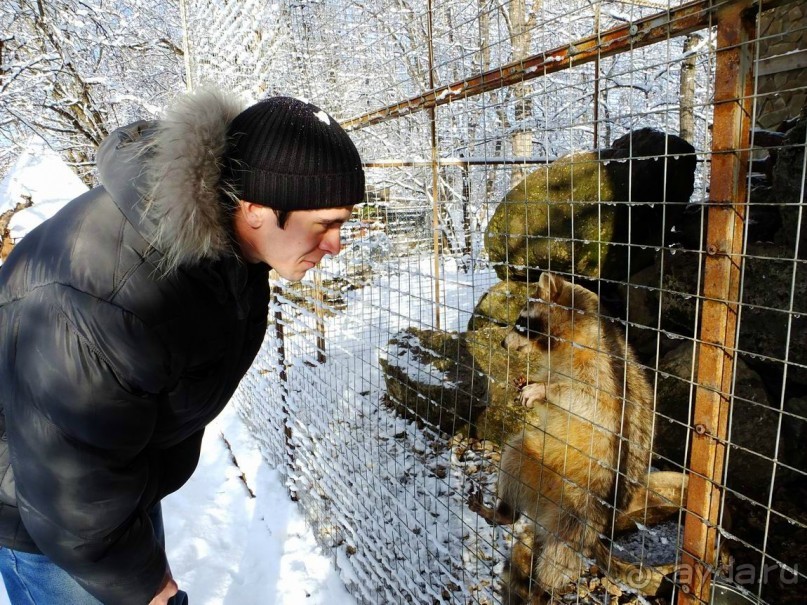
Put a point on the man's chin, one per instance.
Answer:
(297, 272)
(293, 276)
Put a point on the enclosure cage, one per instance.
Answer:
(546, 182)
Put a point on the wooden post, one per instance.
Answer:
(435, 179)
(686, 100)
(721, 285)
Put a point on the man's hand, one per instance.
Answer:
(168, 588)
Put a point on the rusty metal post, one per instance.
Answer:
(721, 285)
(670, 23)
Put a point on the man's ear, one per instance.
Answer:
(254, 214)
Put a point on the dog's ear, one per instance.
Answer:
(550, 286)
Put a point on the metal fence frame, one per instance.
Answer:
(733, 111)
(720, 299)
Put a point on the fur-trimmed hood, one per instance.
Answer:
(166, 177)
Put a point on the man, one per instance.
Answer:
(128, 319)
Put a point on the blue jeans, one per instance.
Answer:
(33, 579)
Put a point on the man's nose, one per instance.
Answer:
(331, 242)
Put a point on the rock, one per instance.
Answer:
(673, 409)
(662, 300)
(431, 377)
(611, 588)
(505, 371)
(787, 183)
(767, 330)
(533, 223)
(764, 215)
(794, 435)
(500, 305)
(567, 215)
(753, 430)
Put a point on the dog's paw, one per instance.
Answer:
(475, 502)
(533, 393)
(476, 505)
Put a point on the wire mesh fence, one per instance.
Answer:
(561, 356)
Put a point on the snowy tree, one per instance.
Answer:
(71, 70)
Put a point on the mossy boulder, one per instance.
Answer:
(431, 377)
(506, 373)
(500, 305)
(576, 214)
(458, 383)
(534, 222)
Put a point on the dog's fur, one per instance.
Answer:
(591, 414)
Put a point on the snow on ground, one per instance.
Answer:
(227, 547)
(41, 175)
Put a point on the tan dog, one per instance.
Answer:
(591, 414)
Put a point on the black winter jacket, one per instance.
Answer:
(126, 322)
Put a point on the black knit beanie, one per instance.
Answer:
(290, 155)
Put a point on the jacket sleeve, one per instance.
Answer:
(87, 383)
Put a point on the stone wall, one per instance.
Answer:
(782, 67)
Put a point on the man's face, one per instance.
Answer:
(307, 237)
